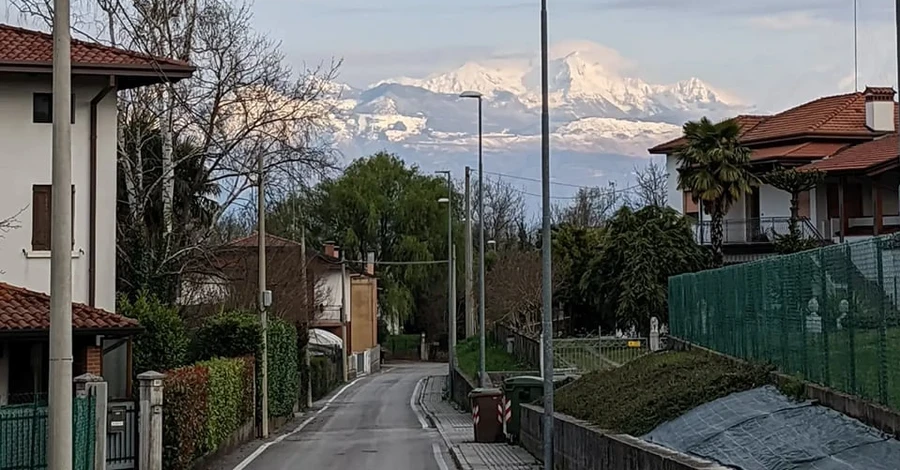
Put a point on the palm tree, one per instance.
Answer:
(714, 167)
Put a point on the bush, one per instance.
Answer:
(228, 334)
(283, 377)
(324, 375)
(184, 416)
(163, 345)
(204, 404)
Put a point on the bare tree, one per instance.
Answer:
(198, 141)
(514, 282)
(591, 207)
(652, 186)
(504, 209)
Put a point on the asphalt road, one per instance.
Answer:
(370, 426)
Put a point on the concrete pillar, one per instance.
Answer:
(654, 334)
(90, 385)
(151, 420)
(423, 348)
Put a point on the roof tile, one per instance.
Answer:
(747, 123)
(25, 46)
(23, 309)
(860, 157)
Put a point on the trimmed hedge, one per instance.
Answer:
(203, 405)
(326, 375)
(238, 334)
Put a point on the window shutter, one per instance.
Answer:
(40, 218)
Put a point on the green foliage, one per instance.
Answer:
(794, 242)
(495, 357)
(656, 388)
(715, 168)
(163, 345)
(228, 334)
(224, 400)
(574, 248)
(381, 205)
(325, 375)
(282, 349)
(185, 416)
(640, 251)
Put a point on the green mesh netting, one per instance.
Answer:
(23, 435)
(828, 315)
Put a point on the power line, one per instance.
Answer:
(570, 185)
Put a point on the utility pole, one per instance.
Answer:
(546, 289)
(308, 313)
(453, 301)
(470, 290)
(346, 351)
(60, 400)
(263, 296)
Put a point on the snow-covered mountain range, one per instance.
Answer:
(596, 109)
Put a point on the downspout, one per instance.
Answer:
(92, 249)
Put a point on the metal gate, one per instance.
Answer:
(122, 435)
(599, 352)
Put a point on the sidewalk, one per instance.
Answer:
(456, 429)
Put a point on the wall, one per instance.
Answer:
(580, 446)
(25, 159)
(774, 202)
(462, 386)
(674, 196)
(333, 286)
(364, 305)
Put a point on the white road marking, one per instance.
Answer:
(439, 456)
(262, 448)
(414, 406)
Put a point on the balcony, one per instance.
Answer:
(755, 231)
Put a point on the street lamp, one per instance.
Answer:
(481, 365)
(451, 289)
(493, 244)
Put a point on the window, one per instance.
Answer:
(41, 226)
(42, 110)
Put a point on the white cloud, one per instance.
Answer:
(790, 21)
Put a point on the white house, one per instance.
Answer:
(98, 72)
(851, 138)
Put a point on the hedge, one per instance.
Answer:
(326, 375)
(203, 405)
(163, 344)
(238, 334)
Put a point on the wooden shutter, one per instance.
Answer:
(40, 217)
(41, 225)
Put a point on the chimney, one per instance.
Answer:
(328, 248)
(879, 109)
(370, 263)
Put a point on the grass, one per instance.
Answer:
(495, 357)
(655, 388)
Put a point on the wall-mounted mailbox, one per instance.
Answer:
(116, 420)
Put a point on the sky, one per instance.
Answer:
(769, 53)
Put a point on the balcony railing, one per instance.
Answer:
(753, 231)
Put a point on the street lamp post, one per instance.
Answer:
(481, 365)
(451, 302)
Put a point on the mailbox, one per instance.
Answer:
(116, 420)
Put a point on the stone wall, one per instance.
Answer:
(580, 446)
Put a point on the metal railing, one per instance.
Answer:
(598, 353)
(753, 230)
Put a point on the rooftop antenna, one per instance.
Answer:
(855, 46)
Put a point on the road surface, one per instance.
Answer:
(371, 425)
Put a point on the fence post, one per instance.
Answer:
(87, 385)
(882, 329)
(151, 384)
(654, 334)
(423, 349)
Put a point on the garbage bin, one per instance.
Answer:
(487, 404)
(520, 390)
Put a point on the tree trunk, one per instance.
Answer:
(168, 170)
(717, 236)
(795, 214)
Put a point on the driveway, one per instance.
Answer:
(372, 425)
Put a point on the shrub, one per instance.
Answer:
(228, 334)
(283, 379)
(163, 345)
(224, 401)
(184, 416)
(324, 376)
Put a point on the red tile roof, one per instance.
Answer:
(860, 157)
(253, 240)
(19, 46)
(25, 310)
(747, 123)
(803, 151)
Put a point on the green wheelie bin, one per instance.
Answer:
(523, 389)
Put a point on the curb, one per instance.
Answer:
(455, 454)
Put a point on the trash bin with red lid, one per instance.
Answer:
(487, 414)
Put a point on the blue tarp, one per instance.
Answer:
(761, 429)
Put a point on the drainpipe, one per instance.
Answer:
(92, 259)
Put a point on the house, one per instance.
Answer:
(851, 138)
(236, 285)
(98, 72)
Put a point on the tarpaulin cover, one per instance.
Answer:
(761, 429)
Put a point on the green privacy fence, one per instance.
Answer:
(828, 315)
(23, 435)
